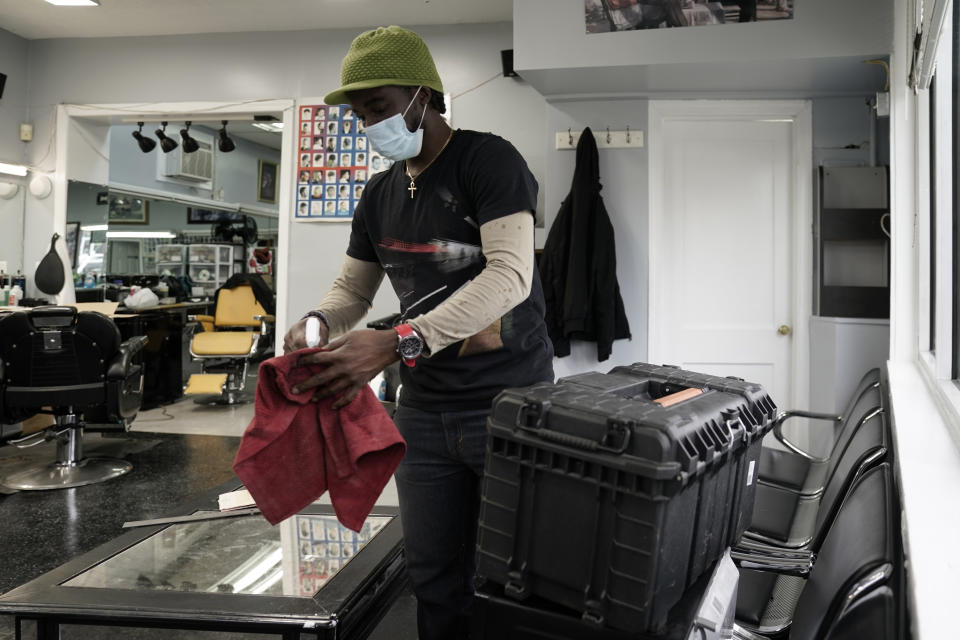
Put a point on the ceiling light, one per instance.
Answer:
(140, 234)
(272, 127)
(225, 145)
(166, 143)
(75, 3)
(13, 169)
(146, 144)
(189, 144)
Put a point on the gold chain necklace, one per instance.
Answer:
(413, 187)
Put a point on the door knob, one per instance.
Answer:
(783, 330)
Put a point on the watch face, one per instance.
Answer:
(410, 347)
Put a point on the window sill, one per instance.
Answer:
(928, 460)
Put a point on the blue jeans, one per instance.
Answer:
(438, 483)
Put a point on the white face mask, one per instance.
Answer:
(391, 138)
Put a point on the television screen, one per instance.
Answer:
(206, 216)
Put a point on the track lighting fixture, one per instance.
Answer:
(226, 144)
(146, 144)
(166, 143)
(186, 140)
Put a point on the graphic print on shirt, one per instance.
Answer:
(450, 257)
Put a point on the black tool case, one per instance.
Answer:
(613, 493)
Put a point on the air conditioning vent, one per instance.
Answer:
(196, 166)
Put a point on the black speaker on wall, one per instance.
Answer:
(506, 59)
(3, 81)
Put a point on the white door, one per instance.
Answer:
(726, 277)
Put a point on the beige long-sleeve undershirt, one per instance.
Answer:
(505, 281)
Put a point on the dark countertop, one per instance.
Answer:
(42, 530)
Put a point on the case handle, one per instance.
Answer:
(537, 428)
(679, 396)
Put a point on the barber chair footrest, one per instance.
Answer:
(206, 384)
(58, 475)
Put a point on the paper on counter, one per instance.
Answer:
(239, 499)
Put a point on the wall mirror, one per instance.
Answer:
(174, 215)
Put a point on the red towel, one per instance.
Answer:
(294, 449)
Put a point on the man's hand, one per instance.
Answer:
(351, 362)
(296, 337)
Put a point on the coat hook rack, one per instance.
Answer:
(611, 139)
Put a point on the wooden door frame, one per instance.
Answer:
(797, 112)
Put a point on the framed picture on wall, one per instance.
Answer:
(128, 210)
(72, 239)
(267, 187)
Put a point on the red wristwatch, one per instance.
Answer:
(409, 344)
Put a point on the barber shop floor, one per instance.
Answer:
(179, 452)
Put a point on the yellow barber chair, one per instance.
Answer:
(230, 339)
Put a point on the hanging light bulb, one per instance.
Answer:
(146, 144)
(166, 143)
(226, 144)
(188, 143)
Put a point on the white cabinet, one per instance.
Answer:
(210, 265)
(170, 259)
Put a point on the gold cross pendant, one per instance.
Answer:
(412, 188)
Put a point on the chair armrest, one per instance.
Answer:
(123, 361)
(786, 415)
(740, 633)
(264, 321)
(753, 547)
(205, 321)
(783, 566)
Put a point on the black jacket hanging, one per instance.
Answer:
(578, 267)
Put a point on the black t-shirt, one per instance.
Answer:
(429, 246)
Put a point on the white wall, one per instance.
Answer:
(13, 111)
(623, 176)
(239, 67)
(821, 48)
(235, 173)
(236, 68)
(13, 105)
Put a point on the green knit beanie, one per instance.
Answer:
(386, 56)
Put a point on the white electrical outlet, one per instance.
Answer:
(26, 132)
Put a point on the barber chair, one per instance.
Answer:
(73, 366)
(233, 337)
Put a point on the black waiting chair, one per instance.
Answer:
(854, 589)
(787, 519)
(766, 600)
(70, 364)
(799, 470)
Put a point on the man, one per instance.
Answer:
(451, 224)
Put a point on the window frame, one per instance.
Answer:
(939, 253)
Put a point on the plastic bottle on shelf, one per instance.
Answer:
(16, 293)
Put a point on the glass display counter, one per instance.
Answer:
(309, 576)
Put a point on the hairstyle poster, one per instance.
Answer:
(604, 16)
(334, 163)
